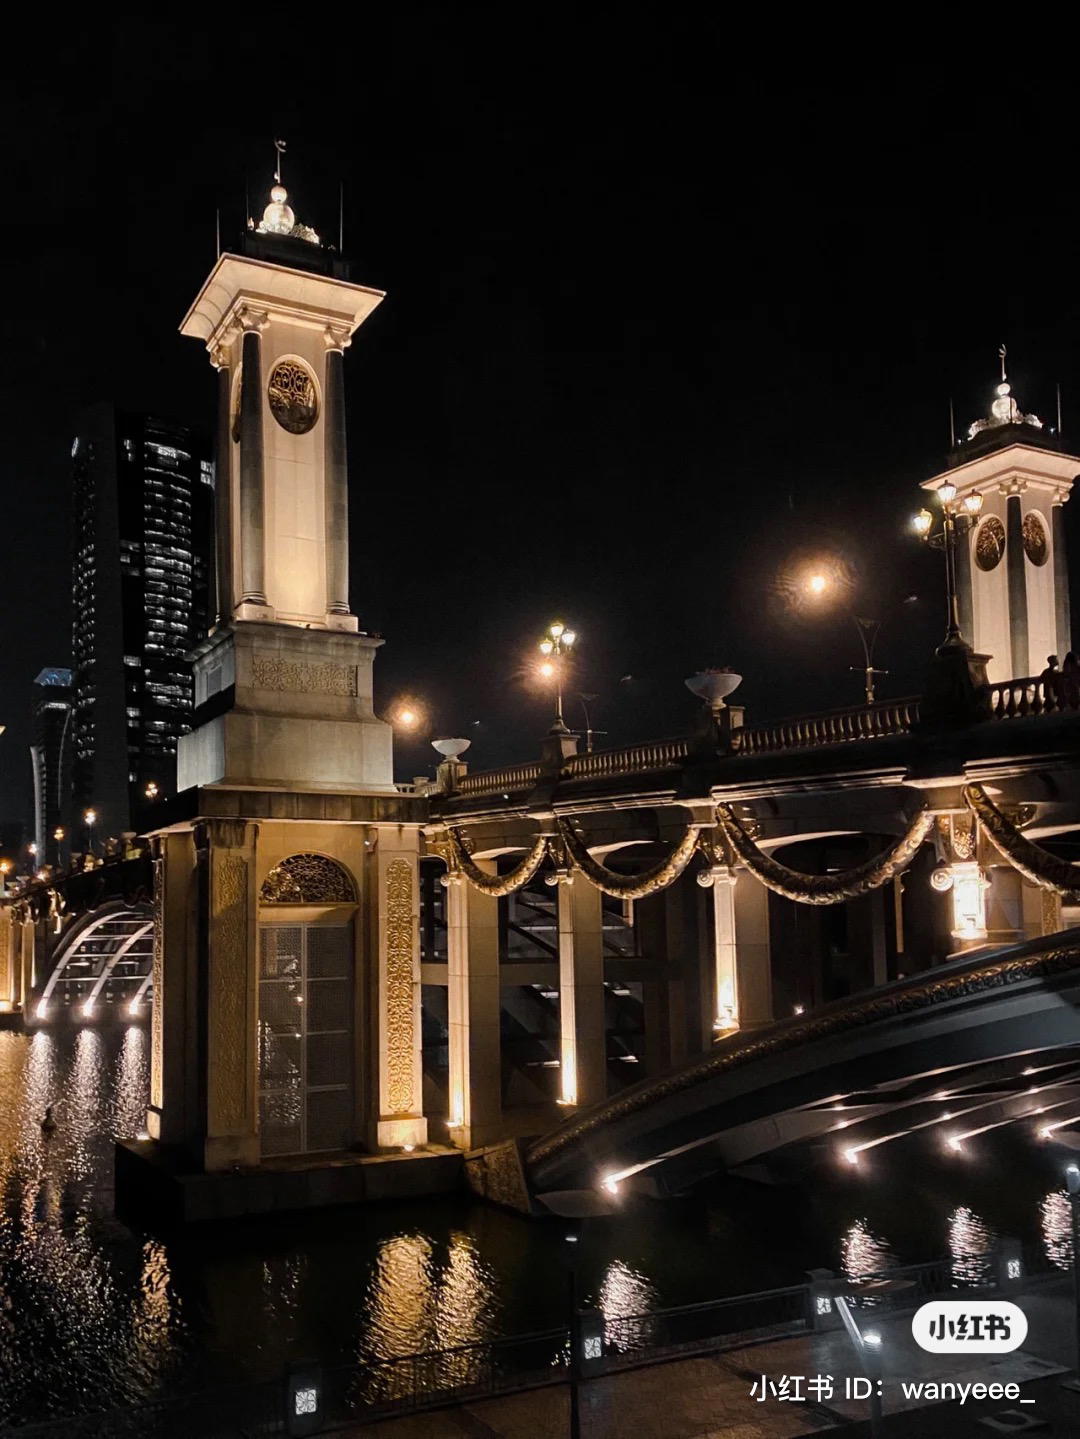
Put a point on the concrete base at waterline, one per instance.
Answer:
(153, 1184)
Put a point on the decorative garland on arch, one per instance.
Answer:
(630, 886)
(825, 888)
(460, 862)
(1027, 858)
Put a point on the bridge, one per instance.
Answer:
(980, 1043)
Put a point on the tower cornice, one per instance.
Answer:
(239, 282)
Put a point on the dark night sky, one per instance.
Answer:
(667, 305)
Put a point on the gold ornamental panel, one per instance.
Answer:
(1035, 545)
(293, 401)
(400, 1007)
(308, 879)
(990, 543)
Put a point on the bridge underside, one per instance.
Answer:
(988, 1040)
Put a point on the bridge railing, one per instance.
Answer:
(874, 721)
(499, 781)
(1017, 699)
(630, 759)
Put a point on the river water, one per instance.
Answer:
(93, 1314)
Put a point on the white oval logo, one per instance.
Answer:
(969, 1326)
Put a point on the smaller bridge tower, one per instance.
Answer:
(1012, 568)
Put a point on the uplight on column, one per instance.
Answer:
(968, 885)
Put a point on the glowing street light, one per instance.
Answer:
(869, 630)
(90, 820)
(151, 791)
(558, 641)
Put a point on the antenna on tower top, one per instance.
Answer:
(341, 217)
(952, 426)
(217, 233)
(1059, 407)
(279, 150)
(1001, 356)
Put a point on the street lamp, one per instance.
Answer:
(151, 791)
(868, 631)
(957, 518)
(90, 819)
(558, 641)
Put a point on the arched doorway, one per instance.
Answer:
(307, 1020)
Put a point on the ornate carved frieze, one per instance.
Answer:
(228, 994)
(283, 676)
(308, 879)
(400, 1018)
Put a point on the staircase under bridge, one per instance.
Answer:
(984, 1041)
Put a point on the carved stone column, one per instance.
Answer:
(754, 951)
(336, 476)
(1017, 580)
(1062, 615)
(474, 1001)
(721, 879)
(582, 1028)
(230, 917)
(252, 496)
(401, 1075)
(222, 605)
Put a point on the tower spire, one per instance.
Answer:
(279, 150)
(1002, 352)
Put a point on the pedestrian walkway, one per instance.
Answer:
(712, 1396)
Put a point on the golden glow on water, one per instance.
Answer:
(864, 1253)
(971, 1249)
(625, 1296)
(1057, 1228)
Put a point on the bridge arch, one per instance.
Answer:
(102, 964)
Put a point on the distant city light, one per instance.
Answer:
(817, 584)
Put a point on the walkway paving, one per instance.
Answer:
(710, 1397)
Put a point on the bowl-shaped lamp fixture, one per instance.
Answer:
(714, 686)
(451, 748)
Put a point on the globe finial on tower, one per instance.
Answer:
(1004, 409)
(279, 217)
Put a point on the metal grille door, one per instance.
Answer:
(305, 1038)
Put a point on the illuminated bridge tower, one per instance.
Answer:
(1012, 570)
(286, 976)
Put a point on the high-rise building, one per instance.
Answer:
(143, 507)
(50, 756)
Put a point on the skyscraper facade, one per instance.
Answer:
(50, 756)
(143, 509)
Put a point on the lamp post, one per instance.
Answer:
(868, 631)
(957, 518)
(151, 791)
(90, 820)
(558, 641)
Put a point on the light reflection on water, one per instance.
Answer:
(972, 1244)
(92, 1314)
(1056, 1217)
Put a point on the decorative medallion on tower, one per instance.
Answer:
(990, 543)
(293, 401)
(1035, 545)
